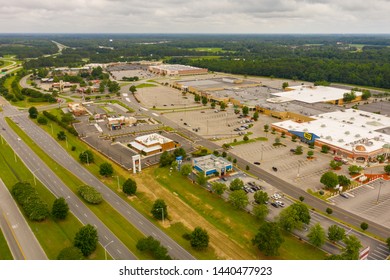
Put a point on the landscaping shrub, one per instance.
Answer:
(90, 194)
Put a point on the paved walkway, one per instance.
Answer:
(21, 240)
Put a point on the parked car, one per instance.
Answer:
(274, 204)
(344, 195)
(292, 150)
(337, 159)
(257, 163)
(274, 168)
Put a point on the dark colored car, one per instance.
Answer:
(344, 195)
(274, 168)
(257, 163)
(274, 205)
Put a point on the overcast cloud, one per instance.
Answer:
(201, 16)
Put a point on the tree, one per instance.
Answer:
(268, 239)
(213, 105)
(247, 168)
(352, 248)
(298, 150)
(387, 169)
(266, 127)
(60, 209)
(70, 253)
(364, 226)
(260, 211)
(90, 194)
(335, 164)
(201, 179)
(204, 100)
(329, 179)
(343, 181)
(129, 187)
(238, 199)
(159, 209)
(224, 154)
(86, 157)
(234, 161)
(261, 197)
(61, 135)
(329, 211)
(246, 138)
(42, 120)
(197, 98)
(33, 112)
(222, 106)
(86, 239)
(179, 152)
(348, 97)
(325, 149)
(354, 169)
(199, 239)
(236, 184)
(106, 169)
(388, 242)
(285, 85)
(366, 94)
(310, 154)
(218, 188)
(113, 87)
(133, 89)
(154, 246)
(335, 233)
(277, 140)
(186, 169)
(293, 216)
(166, 159)
(317, 235)
(245, 110)
(256, 115)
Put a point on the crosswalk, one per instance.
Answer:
(380, 252)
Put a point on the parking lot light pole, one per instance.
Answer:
(262, 148)
(299, 165)
(379, 191)
(105, 249)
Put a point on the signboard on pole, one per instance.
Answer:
(179, 160)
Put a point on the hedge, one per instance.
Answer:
(90, 194)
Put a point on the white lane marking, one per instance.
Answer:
(106, 237)
(76, 205)
(125, 94)
(144, 109)
(119, 251)
(154, 114)
(154, 234)
(128, 99)
(169, 247)
(128, 212)
(85, 215)
(140, 222)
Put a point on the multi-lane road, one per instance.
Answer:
(55, 151)
(44, 174)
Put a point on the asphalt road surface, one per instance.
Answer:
(55, 151)
(43, 173)
(20, 239)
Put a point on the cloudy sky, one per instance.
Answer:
(201, 16)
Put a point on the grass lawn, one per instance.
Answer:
(237, 225)
(5, 63)
(53, 236)
(5, 253)
(145, 85)
(129, 110)
(125, 231)
(249, 141)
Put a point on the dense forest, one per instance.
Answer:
(353, 59)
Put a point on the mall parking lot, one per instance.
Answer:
(371, 201)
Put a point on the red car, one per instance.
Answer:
(337, 158)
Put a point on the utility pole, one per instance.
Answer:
(379, 191)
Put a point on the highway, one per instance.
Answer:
(20, 238)
(43, 173)
(54, 150)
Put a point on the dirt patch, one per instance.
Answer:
(179, 211)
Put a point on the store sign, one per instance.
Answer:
(308, 136)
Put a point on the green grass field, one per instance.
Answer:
(145, 85)
(5, 253)
(236, 224)
(130, 110)
(5, 63)
(125, 231)
(53, 236)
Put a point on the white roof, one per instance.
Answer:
(151, 149)
(153, 138)
(346, 129)
(137, 145)
(140, 147)
(314, 94)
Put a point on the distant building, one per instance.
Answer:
(77, 109)
(118, 122)
(211, 164)
(152, 144)
(176, 69)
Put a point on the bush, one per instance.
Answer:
(106, 169)
(90, 194)
(42, 120)
(154, 247)
(70, 253)
(364, 226)
(329, 210)
(29, 200)
(129, 187)
(86, 157)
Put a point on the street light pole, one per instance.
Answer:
(105, 249)
(117, 177)
(162, 210)
(262, 147)
(379, 192)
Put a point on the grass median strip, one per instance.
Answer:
(52, 235)
(5, 253)
(125, 231)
